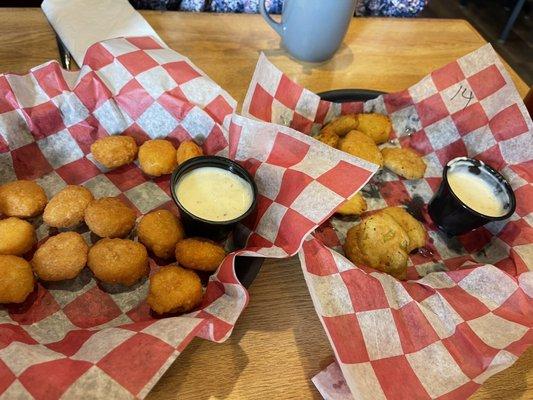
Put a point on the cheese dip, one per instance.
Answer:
(214, 194)
(480, 191)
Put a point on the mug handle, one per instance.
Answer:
(275, 25)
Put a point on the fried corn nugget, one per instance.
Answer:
(414, 229)
(340, 126)
(118, 261)
(109, 217)
(67, 208)
(174, 289)
(16, 236)
(159, 231)
(360, 145)
(23, 199)
(330, 140)
(187, 150)
(356, 205)
(157, 157)
(61, 257)
(404, 162)
(379, 242)
(199, 254)
(115, 151)
(16, 279)
(377, 126)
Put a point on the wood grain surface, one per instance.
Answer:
(278, 343)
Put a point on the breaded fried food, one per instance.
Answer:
(340, 126)
(16, 279)
(404, 162)
(187, 150)
(174, 290)
(109, 217)
(331, 140)
(356, 205)
(377, 126)
(379, 242)
(115, 151)
(67, 208)
(414, 229)
(61, 257)
(159, 231)
(157, 157)
(23, 199)
(118, 261)
(16, 236)
(360, 145)
(199, 254)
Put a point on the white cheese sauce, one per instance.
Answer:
(478, 191)
(214, 194)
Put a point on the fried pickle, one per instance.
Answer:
(360, 145)
(414, 229)
(67, 208)
(109, 217)
(61, 257)
(174, 289)
(340, 126)
(16, 236)
(159, 231)
(114, 151)
(199, 254)
(377, 126)
(356, 205)
(404, 162)
(118, 261)
(23, 199)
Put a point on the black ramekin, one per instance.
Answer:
(454, 217)
(196, 226)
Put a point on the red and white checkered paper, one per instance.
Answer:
(466, 311)
(75, 340)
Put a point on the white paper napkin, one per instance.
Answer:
(81, 23)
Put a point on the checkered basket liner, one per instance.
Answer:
(74, 339)
(466, 311)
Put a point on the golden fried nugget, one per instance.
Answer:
(61, 257)
(360, 145)
(114, 151)
(16, 236)
(67, 208)
(330, 140)
(16, 279)
(356, 205)
(187, 150)
(199, 254)
(379, 242)
(340, 126)
(377, 126)
(414, 229)
(157, 157)
(404, 162)
(118, 261)
(109, 217)
(22, 199)
(174, 289)
(159, 231)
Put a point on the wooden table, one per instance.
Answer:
(278, 344)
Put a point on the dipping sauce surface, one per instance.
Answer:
(214, 194)
(480, 191)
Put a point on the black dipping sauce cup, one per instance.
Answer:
(196, 226)
(454, 217)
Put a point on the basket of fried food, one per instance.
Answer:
(384, 238)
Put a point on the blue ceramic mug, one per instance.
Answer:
(312, 30)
